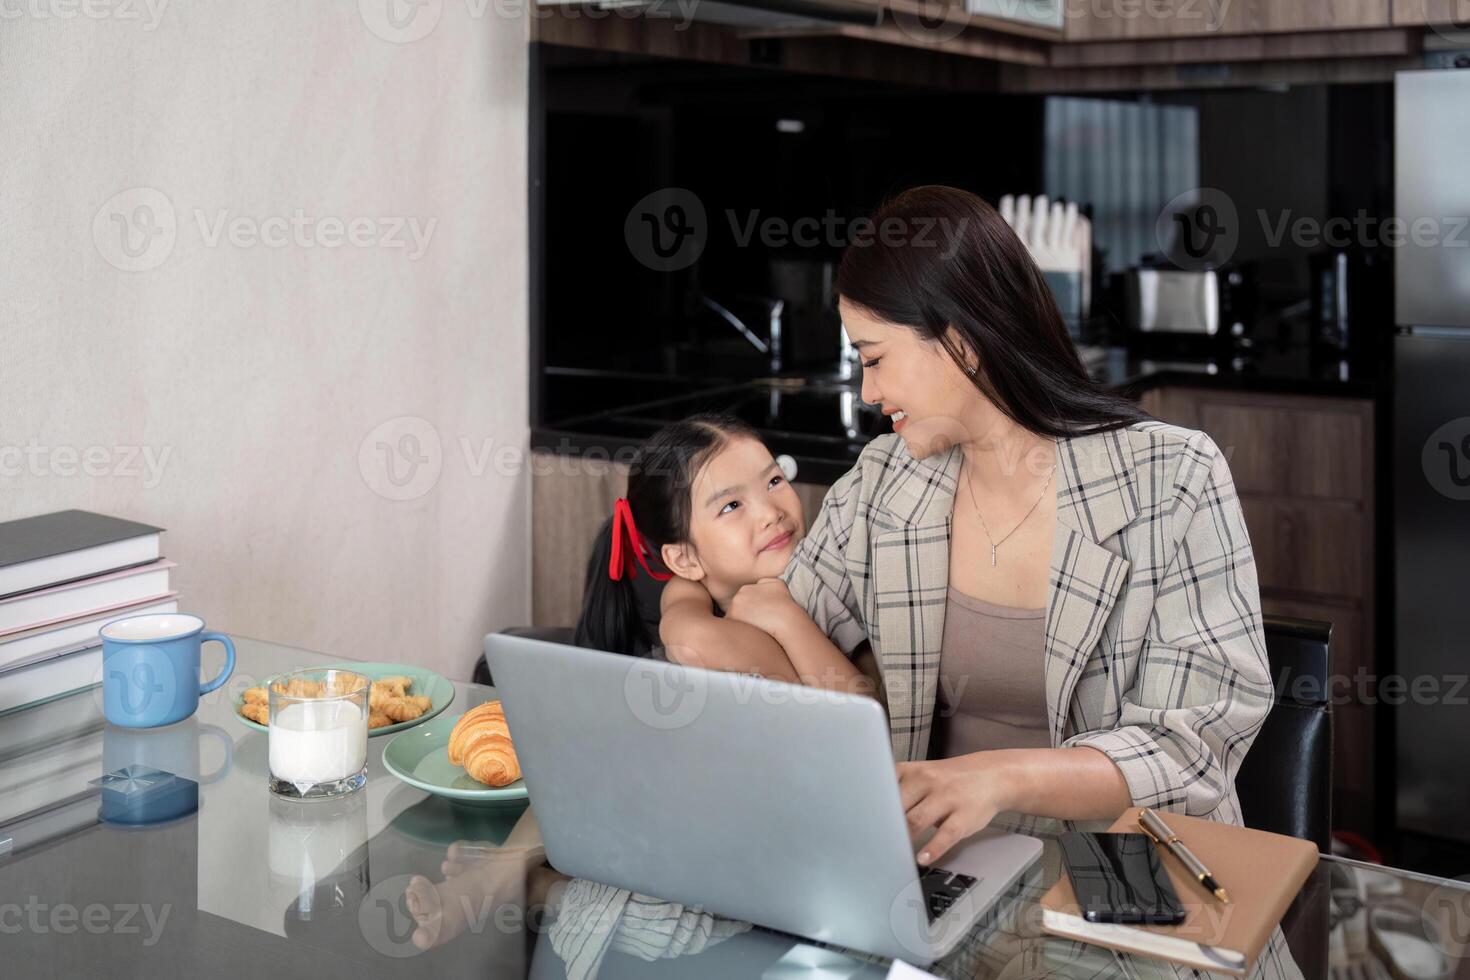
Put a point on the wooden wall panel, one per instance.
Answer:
(1303, 467)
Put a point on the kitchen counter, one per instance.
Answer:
(824, 424)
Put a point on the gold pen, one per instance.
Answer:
(1159, 833)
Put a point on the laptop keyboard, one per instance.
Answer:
(941, 889)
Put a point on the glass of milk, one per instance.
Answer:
(318, 734)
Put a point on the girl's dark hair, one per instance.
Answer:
(955, 262)
(660, 479)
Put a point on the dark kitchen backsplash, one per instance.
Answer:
(761, 150)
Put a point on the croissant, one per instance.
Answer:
(391, 687)
(388, 700)
(480, 742)
(404, 708)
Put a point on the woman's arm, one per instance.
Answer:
(961, 795)
(693, 636)
(1203, 686)
(817, 576)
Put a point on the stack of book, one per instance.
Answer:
(62, 576)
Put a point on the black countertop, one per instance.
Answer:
(824, 424)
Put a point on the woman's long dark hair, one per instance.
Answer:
(957, 263)
(660, 480)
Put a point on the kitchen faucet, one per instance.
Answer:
(771, 347)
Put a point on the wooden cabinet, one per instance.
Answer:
(570, 498)
(1412, 13)
(1303, 468)
(1115, 20)
(1037, 13)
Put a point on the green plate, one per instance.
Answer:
(421, 759)
(425, 682)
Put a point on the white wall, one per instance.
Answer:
(254, 374)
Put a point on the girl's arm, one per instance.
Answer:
(693, 636)
(768, 606)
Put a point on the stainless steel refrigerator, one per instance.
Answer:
(1432, 450)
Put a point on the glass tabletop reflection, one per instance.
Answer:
(167, 856)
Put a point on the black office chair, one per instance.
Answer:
(1285, 782)
(551, 634)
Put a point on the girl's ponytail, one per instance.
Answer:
(610, 618)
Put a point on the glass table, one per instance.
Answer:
(217, 878)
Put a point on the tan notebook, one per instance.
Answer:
(1261, 871)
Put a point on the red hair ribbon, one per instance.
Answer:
(624, 530)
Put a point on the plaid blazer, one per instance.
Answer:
(1154, 648)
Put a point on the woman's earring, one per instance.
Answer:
(788, 467)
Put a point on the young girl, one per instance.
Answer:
(708, 502)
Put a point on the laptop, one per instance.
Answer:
(763, 801)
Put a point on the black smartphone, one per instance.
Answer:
(1119, 878)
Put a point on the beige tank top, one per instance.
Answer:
(992, 686)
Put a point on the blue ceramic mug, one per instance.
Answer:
(150, 669)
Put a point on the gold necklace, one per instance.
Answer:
(994, 544)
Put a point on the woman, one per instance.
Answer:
(1059, 591)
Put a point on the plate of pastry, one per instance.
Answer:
(402, 696)
(465, 758)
